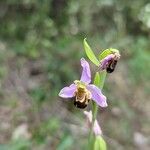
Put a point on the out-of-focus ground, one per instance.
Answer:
(40, 49)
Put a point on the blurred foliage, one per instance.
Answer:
(45, 37)
(20, 144)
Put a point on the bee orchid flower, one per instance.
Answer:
(82, 91)
(109, 62)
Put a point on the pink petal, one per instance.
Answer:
(86, 73)
(68, 92)
(88, 115)
(96, 128)
(97, 95)
(105, 61)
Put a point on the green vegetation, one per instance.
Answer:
(40, 45)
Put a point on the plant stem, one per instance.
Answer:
(98, 81)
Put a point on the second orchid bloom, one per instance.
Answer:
(110, 61)
(82, 91)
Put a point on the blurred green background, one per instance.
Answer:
(40, 49)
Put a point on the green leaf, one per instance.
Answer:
(97, 79)
(100, 144)
(90, 53)
(107, 52)
(102, 76)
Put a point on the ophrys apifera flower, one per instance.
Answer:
(82, 91)
(110, 61)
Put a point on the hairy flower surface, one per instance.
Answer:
(82, 91)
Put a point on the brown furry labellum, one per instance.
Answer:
(112, 63)
(82, 97)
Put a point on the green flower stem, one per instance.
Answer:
(91, 140)
(94, 111)
(99, 81)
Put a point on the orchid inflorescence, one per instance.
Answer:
(82, 91)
